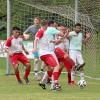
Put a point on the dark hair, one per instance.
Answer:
(62, 24)
(50, 22)
(38, 18)
(16, 28)
(77, 24)
(44, 22)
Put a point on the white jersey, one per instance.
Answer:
(75, 40)
(44, 45)
(14, 44)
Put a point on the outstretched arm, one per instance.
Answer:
(87, 37)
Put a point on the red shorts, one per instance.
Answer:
(49, 60)
(59, 53)
(18, 57)
(68, 62)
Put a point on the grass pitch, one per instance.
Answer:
(10, 90)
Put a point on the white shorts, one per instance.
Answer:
(76, 56)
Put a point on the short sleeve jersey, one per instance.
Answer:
(75, 40)
(14, 44)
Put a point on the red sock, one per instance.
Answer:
(55, 75)
(49, 74)
(60, 70)
(27, 72)
(69, 77)
(17, 75)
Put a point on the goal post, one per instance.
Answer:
(8, 33)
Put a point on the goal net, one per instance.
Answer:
(24, 11)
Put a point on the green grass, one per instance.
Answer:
(10, 90)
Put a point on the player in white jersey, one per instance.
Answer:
(46, 50)
(76, 39)
(14, 47)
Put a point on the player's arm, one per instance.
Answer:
(7, 50)
(25, 49)
(56, 42)
(86, 37)
(27, 31)
(60, 40)
(63, 36)
(38, 36)
(58, 33)
(7, 46)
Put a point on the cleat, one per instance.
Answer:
(20, 82)
(56, 87)
(72, 83)
(42, 85)
(27, 81)
(48, 82)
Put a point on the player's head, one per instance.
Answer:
(51, 23)
(37, 20)
(62, 28)
(77, 27)
(56, 24)
(16, 31)
(44, 23)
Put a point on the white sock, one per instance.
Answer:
(44, 79)
(36, 66)
(43, 65)
(81, 75)
(72, 75)
(52, 82)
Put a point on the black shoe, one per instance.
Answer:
(42, 85)
(80, 66)
(27, 81)
(20, 82)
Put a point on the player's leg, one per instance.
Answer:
(46, 78)
(36, 65)
(53, 64)
(72, 55)
(27, 64)
(80, 65)
(14, 62)
(68, 62)
(43, 66)
(56, 68)
(61, 65)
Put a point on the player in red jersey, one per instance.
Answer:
(14, 47)
(46, 50)
(61, 51)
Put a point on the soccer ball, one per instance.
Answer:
(82, 83)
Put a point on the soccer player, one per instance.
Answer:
(33, 30)
(46, 51)
(14, 47)
(76, 39)
(61, 51)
